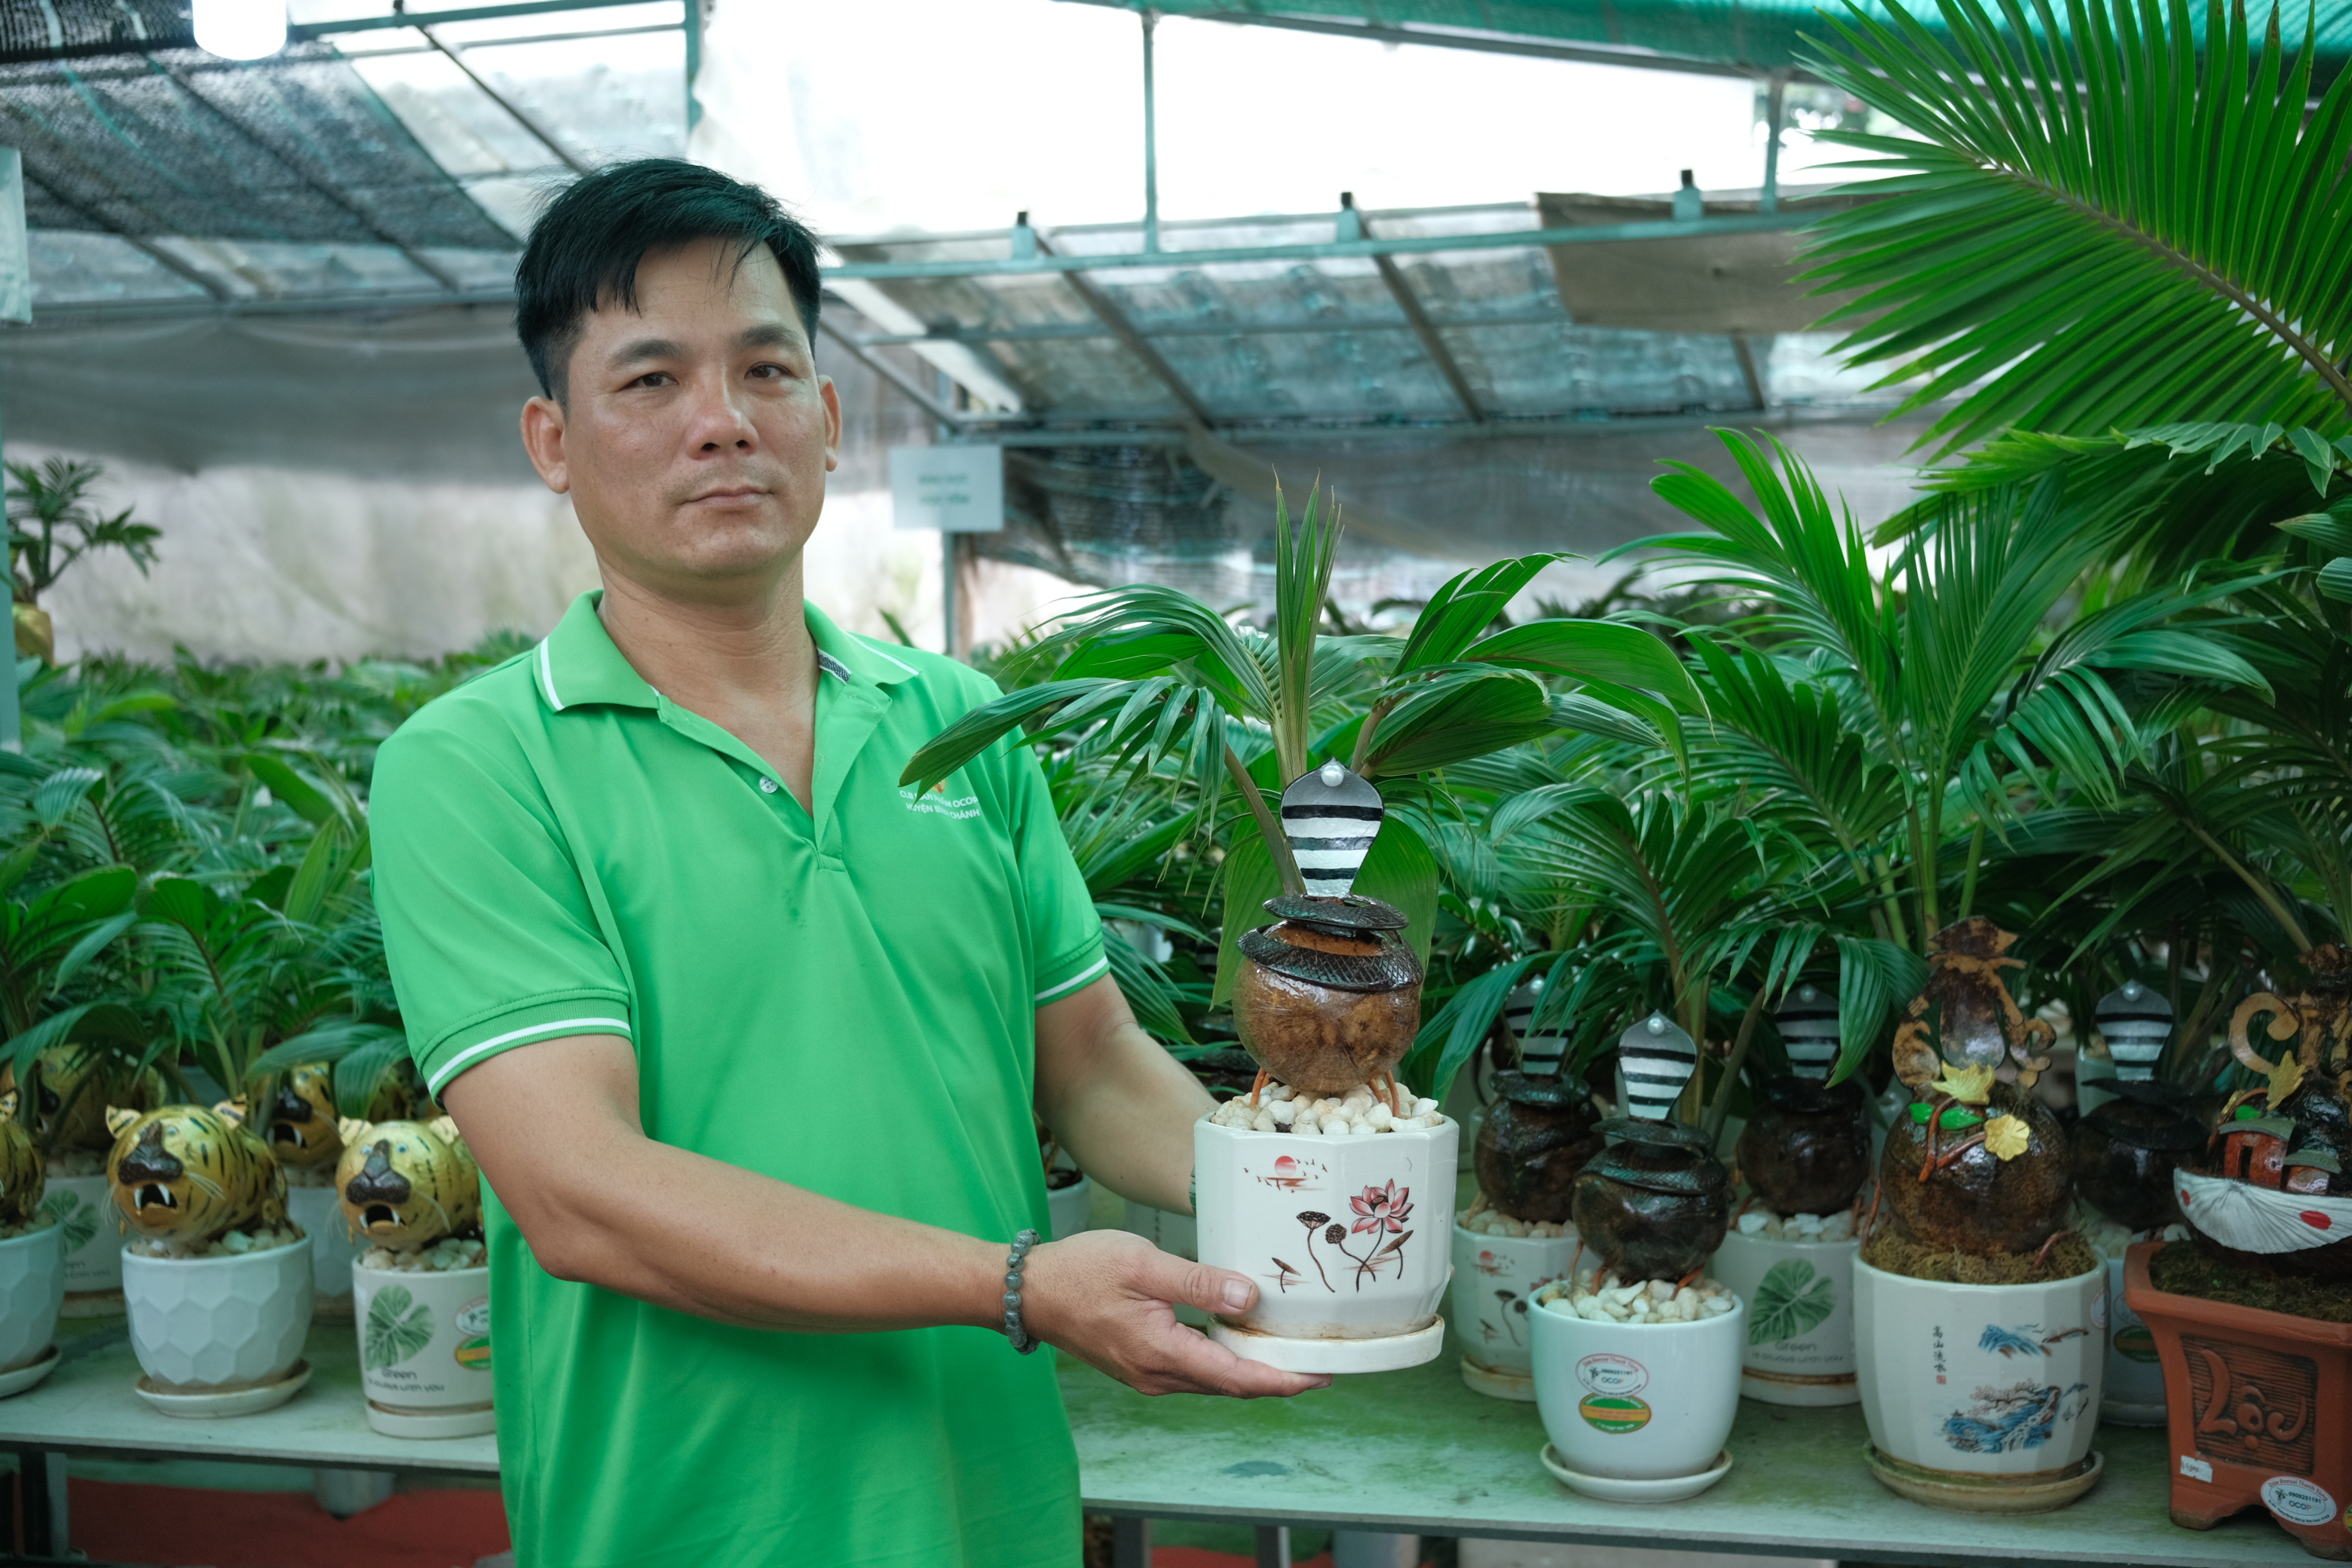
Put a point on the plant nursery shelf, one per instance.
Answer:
(1409, 1451)
(1416, 1452)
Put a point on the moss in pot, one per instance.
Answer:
(1540, 1133)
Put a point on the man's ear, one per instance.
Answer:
(542, 440)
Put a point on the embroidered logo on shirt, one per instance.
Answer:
(937, 803)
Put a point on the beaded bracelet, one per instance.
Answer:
(1013, 1329)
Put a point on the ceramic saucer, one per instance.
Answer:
(470, 1423)
(1387, 1354)
(1610, 1489)
(247, 1401)
(24, 1376)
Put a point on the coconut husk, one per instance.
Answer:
(1894, 1255)
(2182, 1269)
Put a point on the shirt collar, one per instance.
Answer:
(577, 663)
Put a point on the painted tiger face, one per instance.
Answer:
(407, 1184)
(190, 1175)
(302, 1118)
(24, 1173)
(77, 1088)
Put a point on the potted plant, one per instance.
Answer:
(410, 1193)
(32, 1263)
(1637, 1363)
(216, 1277)
(1326, 998)
(50, 526)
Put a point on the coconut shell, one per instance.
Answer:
(1975, 1202)
(1322, 1038)
(2122, 1156)
(1807, 1149)
(1655, 1203)
(1539, 1133)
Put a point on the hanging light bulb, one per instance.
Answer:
(240, 30)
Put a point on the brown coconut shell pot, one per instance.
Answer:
(1807, 1149)
(1655, 1203)
(1330, 996)
(2123, 1153)
(1539, 1133)
(2258, 1404)
(1973, 1201)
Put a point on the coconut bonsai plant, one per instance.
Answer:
(411, 1193)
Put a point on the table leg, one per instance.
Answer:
(343, 1493)
(1274, 1546)
(1374, 1548)
(1131, 1543)
(41, 1490)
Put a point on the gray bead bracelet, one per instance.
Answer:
(1013, 1329)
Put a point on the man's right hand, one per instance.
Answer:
(1109, 1298)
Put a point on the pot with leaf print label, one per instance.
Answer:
(425, 1350)
(1799, 1298)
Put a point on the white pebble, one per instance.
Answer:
(1717, 1305)
(1425, 1107)
(1283, 1112)
(1752, 1222)
(1265, 1121)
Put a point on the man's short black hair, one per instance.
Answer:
(585, 248)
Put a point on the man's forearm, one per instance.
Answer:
(1119, 1103)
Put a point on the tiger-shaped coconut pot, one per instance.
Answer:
(407, 1184)
(188, 1175)
(1977, 1165)
(24, 1174)
(74, 1088)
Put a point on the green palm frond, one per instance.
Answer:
(2099, 223)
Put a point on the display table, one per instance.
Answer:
(1412, 1452)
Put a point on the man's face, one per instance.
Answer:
(695, 434)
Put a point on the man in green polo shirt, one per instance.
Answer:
(746, 1037)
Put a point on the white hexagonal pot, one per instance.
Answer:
(1069, 1208)
(205, 1324)
(1799, 1297)
(32, 1289)
(1494, 1275)
(320, 1212)
(425, 1350)
(1368, 1300)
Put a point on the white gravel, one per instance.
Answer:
(447, 1254)
(1838, 1226)
(2112, 1240)
(41, 1221)
(1644, 1301)
(235, 1244)
(1484, 1220)
(80, 1162)
(1360, 1112)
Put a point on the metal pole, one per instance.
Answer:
(693, 62)
(949, 556)
(1150, 141)
(1775, 107)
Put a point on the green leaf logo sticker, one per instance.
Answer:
(79, 1220)
(394, 1331)
(1791, 1301)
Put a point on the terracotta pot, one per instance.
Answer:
(1982, 1398)
(2259, 1406)
(1537, 1134)
(2122, 1154)
(1655, 1203)
(1494, 1275)
(1330, 996)
(1807, 1149)
(1975, 1202)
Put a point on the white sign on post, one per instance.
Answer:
(955, 490)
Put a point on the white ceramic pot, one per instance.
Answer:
(204, 1323)
(1493, 1277)
(1978, 1389)
(32, 1289)
(1170, 1232)
(1636, 1401)
(320, 1214)
(92, 1233)
(1799, 1297)
(1340, 1234)
(425, 1349)
(2134, 1394)
(1068, 1206)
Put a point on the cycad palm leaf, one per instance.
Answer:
(2101, 226)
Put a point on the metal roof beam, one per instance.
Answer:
(515, 111)
(1082, 330)
(1106, 311)
(305, 31)
(891, 373)
(1326, 250)
(1423, 327)
(212, 286)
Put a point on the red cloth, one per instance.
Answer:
(187, 1527)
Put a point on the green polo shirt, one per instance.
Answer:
(844, 999)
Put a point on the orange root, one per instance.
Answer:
(1264, 1077)
(1691, 1276)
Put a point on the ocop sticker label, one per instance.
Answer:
(473, 1318)
(1609, 1373)
(2298, 1502)
(1613, 1411)
(474, 1355)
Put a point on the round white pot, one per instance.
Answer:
(1268, 1203)
(1636, 1401)
(1493, 1277)
(320, 1214)
(209, 1323)
(1799, 1297)
(1068, 1206)
(1984, 1396)
(2134, 1394)
(1170, 1232)
(425, 1350)
(92, 1235)
(32, 1289)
